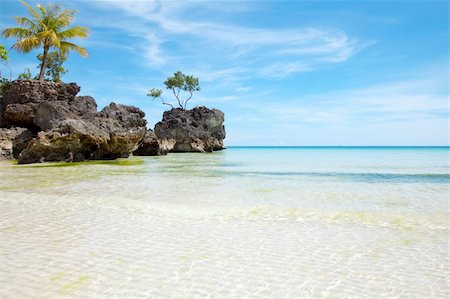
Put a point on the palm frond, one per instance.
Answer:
(17, 32)
(55, 42)
(66, 17)
(26, 23)
(76, 31)
(66, 46)
(25, 45)
(32, 11)
(44, 11)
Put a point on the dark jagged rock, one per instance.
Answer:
(128, 116)
(197, 130)
(34, 91)
(111, 133)
(13, 141)
(21, 141)
(20, 114)
(150, 146)
(70, 128)
(20, 101)
(48, 115)
(84, 106)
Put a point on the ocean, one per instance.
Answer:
(255, 222)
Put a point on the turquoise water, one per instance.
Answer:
(257, 222)
(384, 183)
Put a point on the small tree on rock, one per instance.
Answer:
(4, 82)
(4, 58)
(182, 86)
(53, 68)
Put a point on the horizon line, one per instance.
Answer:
(231, 146)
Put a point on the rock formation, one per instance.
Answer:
(150, 146)
(46, 121)
(13, 141)
(69, 127)
(20, 101)
(111, 133)
(197, 130)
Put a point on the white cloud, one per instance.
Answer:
(265, 52)
(394, 102)
(280, 70)
(403, 112)
(152, 51)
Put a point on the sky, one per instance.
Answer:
(285, 73)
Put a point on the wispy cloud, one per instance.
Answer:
(165, 27)
(401, 112)
(408, 100)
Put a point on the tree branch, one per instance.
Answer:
(177, 97)
(185, 103)
(165, 103)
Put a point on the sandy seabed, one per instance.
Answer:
(77, 250)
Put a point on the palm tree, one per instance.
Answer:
(46, 28)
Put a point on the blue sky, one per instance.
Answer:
(284, 72)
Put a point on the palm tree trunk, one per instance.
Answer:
(44, 60)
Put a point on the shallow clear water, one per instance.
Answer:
(255, 222)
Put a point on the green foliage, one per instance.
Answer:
(154, 93)
(26, 75)
(47, 28)
(53, 67)
(179, 83)
(3, 54)
(4, 85)
(4, 58)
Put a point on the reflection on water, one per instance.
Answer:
(242, 222)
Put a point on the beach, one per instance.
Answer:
(256, 222)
